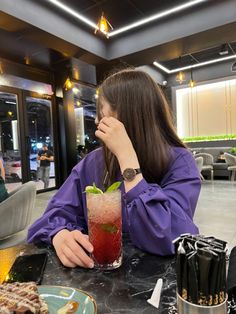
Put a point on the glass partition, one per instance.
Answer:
(9, 141)
(40, 134)
(85, 114)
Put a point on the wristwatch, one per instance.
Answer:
(129, 174)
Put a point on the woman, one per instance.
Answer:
(160, 190)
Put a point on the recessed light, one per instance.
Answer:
(155, 17)
(197, 65)
(130, 26)
(74, 13)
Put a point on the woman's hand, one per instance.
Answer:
(112, 132)
(70, 247)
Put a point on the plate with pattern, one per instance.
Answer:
(57, 296)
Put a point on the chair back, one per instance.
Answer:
(230, 159)
(16, 210)
(199, 162)
(207, 158)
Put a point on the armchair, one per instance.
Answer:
(231, 162)
(207, 163)
(199, 162)
(16, 212)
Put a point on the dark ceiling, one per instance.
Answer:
(21, 42)
(219, 51)
(122, 12)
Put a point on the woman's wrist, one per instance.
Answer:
(128, 159)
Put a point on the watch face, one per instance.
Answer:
(129, 174)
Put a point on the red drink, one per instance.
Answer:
(105, 228)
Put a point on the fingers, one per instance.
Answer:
(78, 257)
(107, 120)
(107, 126)
(100, 135)
(66, 262)
(83, 240)
(70, 247)
(103, 127)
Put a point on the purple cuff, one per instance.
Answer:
(136, 191)
(56, 230)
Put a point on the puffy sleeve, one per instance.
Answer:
(67, 208)
(157, 214)
(64, 211)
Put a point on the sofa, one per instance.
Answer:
(219, 164)
(16, 212)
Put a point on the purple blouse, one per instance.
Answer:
(153, 214)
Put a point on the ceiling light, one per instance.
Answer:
(191, 83)
(180, 77)
(103, 25)
(68, 84)
(10, 102)
(224, 50)
(197, 65)
(155, 17)
(40, 91)
(74, 13)
(127, 27)
(75, 90)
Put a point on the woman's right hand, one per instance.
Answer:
(70, 247)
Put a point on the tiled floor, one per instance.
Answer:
(39, 185)
(216, 210)
(215, 213)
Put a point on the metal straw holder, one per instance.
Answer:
(185, 307)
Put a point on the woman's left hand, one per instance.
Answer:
(113, 133)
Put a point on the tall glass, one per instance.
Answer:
(105, 228)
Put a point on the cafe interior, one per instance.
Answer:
(54, 54)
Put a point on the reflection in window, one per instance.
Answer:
(9, 140)
(40, 133)
(85, 114)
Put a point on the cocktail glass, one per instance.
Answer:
(105, 228)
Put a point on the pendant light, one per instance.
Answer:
(180, 77)
(103, 25)
(191, 83)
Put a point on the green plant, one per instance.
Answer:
(209, 138)
(95, 190)
(233, 150)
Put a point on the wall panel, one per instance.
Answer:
(207, 110)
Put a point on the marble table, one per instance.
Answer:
(124, 290)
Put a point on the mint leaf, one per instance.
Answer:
(110, 228)
(93, 189)
(113, 187)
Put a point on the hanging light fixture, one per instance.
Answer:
(191, 83)
(180, 77)
(103, 25)
(68, 84)
(224, 50)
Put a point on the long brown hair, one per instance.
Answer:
(141, 106)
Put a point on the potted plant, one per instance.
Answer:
(233, 150)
